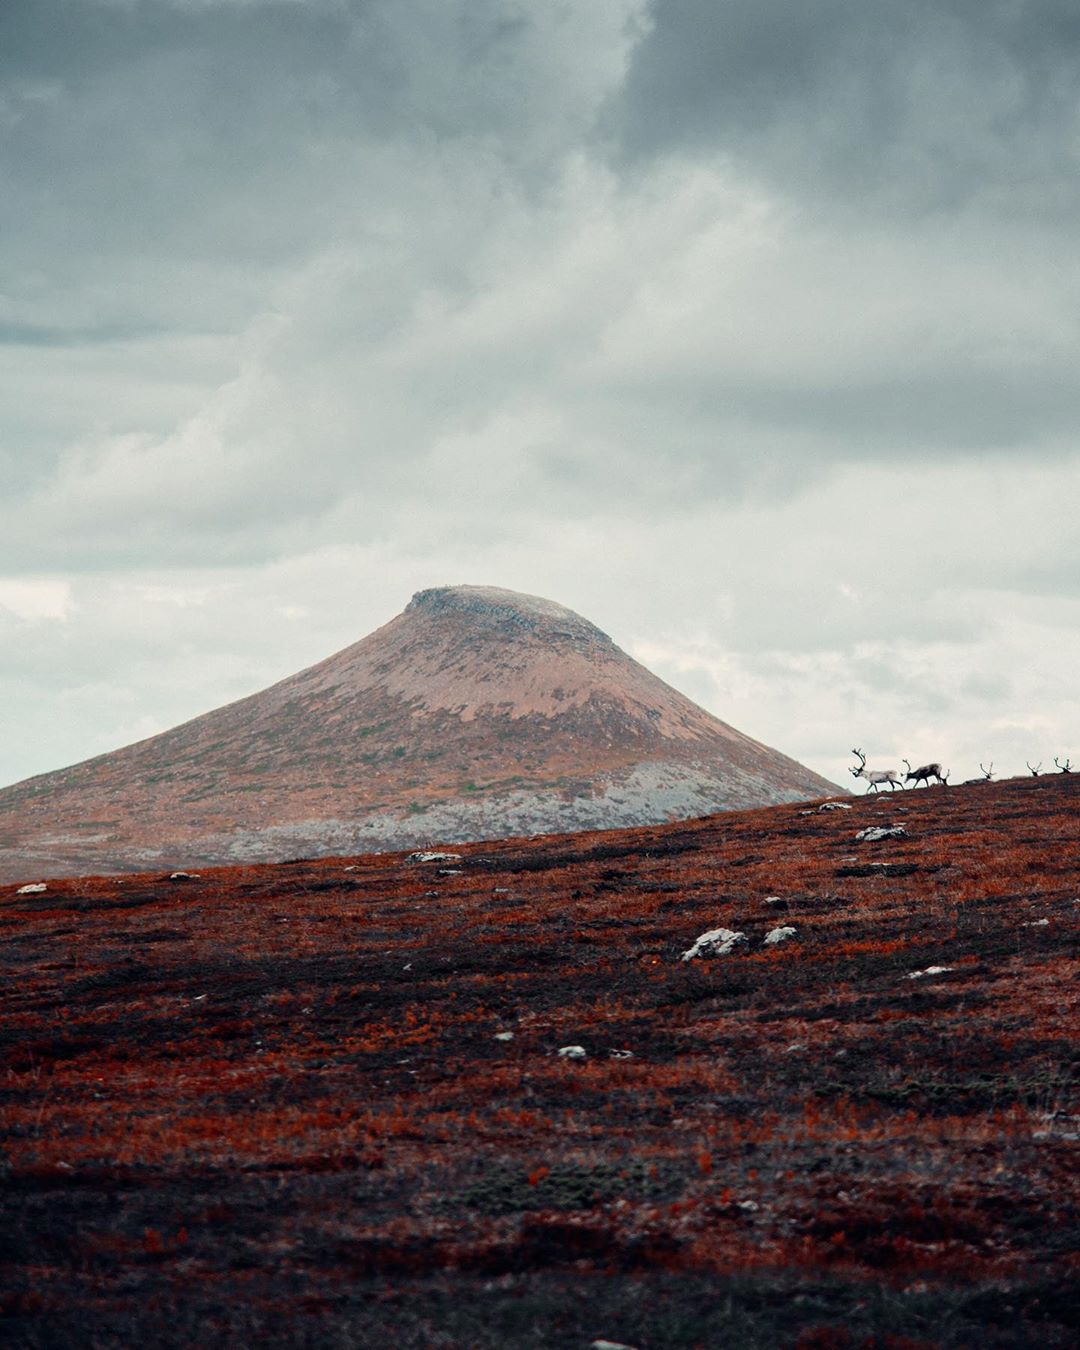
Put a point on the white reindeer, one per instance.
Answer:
(875, 777)
(924, 773)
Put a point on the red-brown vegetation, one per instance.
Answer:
(268, 1106)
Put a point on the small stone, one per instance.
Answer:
(779, 935)
(34, 888)
(930, 970)
(425, 856)
(504, 1035)
(572, 1052)
(773, 900)
(834, 806)
(183, 876)
(620, 1054)
(873, 833)
(610, 1345)
(448, 872)
(1036, 923)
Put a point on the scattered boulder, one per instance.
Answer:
(424, 856)
(572, 1052)
(504, 1035)
(773, 900)
(873, 833)
(34, 888)
(930, 970)
(716, 942)
(183, 876)
(779, 935)
(834, 806)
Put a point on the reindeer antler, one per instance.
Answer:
(1066, 767)
(1034, 767)
(988, 773)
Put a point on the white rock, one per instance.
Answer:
(749, 1206)
(621, 1054)
(183, 876)
(834, 806)
(424, 856)
(1036, 923)
(504, 1035)
(448, 872)
(1059, 1126)
(572, 1052)
(610, 1345)
(930, 970)
(34, 888)
(873, 833)
(779, 935)
(716, 942)
(773, 900)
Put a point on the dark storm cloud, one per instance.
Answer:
(921, 105)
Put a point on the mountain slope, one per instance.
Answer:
(312, 1105)
(476, 712)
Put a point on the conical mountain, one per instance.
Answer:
(476, 713)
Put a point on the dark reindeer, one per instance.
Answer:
(875, 777)
(925, 772)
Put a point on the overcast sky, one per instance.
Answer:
(749, 329)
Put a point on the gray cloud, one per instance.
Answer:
(919, 107)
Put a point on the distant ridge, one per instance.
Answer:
(476, 713)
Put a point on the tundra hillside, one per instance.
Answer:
(323, 1104)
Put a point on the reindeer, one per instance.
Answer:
(1034, 767)
(875, 777)
(924, 773)
(987, 774)
(1066, 767)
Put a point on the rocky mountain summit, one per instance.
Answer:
(476, 713)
